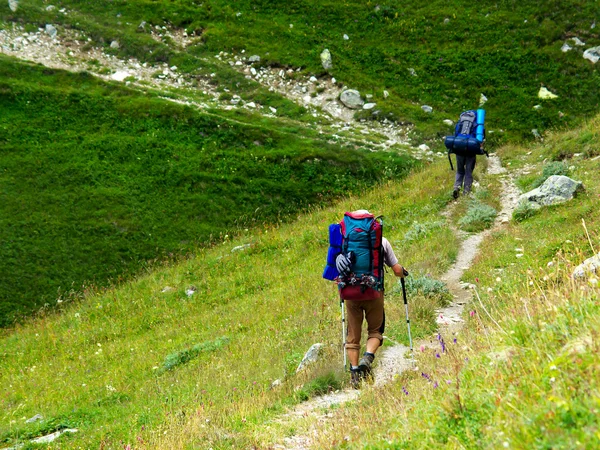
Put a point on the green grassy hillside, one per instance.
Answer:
(458, 49)
(97, 181)
(102, 365)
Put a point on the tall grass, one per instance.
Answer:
(96, 364)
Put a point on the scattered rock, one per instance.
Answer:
(167, 289)
(253, 71)
(346, 37)
(369, 105)
(240, 247)
(51, 31)
(482, 100)
(251, 105)
(412, 71)
(326, 60)
(313, 79)
(448, 122)
(120, 75)
(190, 291)
(254, 59)
(142, 26)
(351, 99)
(35, 418)
(590, 266)
(578, 42)
(424, 147)
(52, 437)
(273, 110)
(114, 44)
(13, 5)
(556, 189)
(276, 383)
(592, 54)
(536, 133)
(536, 107)
(566, 47)
(428, 109)
(310, 357)
(545, 94)
(446, 21)
(386, 94)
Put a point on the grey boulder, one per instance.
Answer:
(13, 5)
(556, 189)
(326, 59)
(592, 54)
(254, 59)
(351, 99)
(310, 357)
(51, 31)
(590, 266)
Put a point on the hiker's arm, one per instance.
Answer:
(391, 260)
(399, 270)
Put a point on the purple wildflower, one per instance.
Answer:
(424, 375)
(454, 340)
(437, 355)
(404, 390)
(435, 384)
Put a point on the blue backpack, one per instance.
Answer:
(469, 134)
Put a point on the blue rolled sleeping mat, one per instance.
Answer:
(335, 248)
(464, 146)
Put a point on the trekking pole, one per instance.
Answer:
(450, 161)
(406, 307)
(343, 332)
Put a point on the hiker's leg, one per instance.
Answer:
(469, 167)
(376, 324)
(460, 171)
(354, 319)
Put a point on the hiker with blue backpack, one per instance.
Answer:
(466, 144)
(356, 258)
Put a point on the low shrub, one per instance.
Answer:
(428, 287)
(523, 211)
(184, 356)
(552, 168)
(479, 216)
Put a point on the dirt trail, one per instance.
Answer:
(395, 360)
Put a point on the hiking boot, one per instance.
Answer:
(455, 193)
(365, 362)
(355, 378)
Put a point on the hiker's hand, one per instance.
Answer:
(399, 271)
(343, 263)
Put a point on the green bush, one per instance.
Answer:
(418, 231)
(479, 216)
(523, 211)
(319, 386)
(184, 356)
(552, 168)
(427, 287)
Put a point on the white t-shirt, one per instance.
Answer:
(389, 258)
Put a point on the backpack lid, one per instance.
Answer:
(360, 214)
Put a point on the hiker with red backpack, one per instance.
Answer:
(467, 143)
(358, 252)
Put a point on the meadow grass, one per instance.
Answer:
(98, 181)
(523, 372)
(95, 364)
